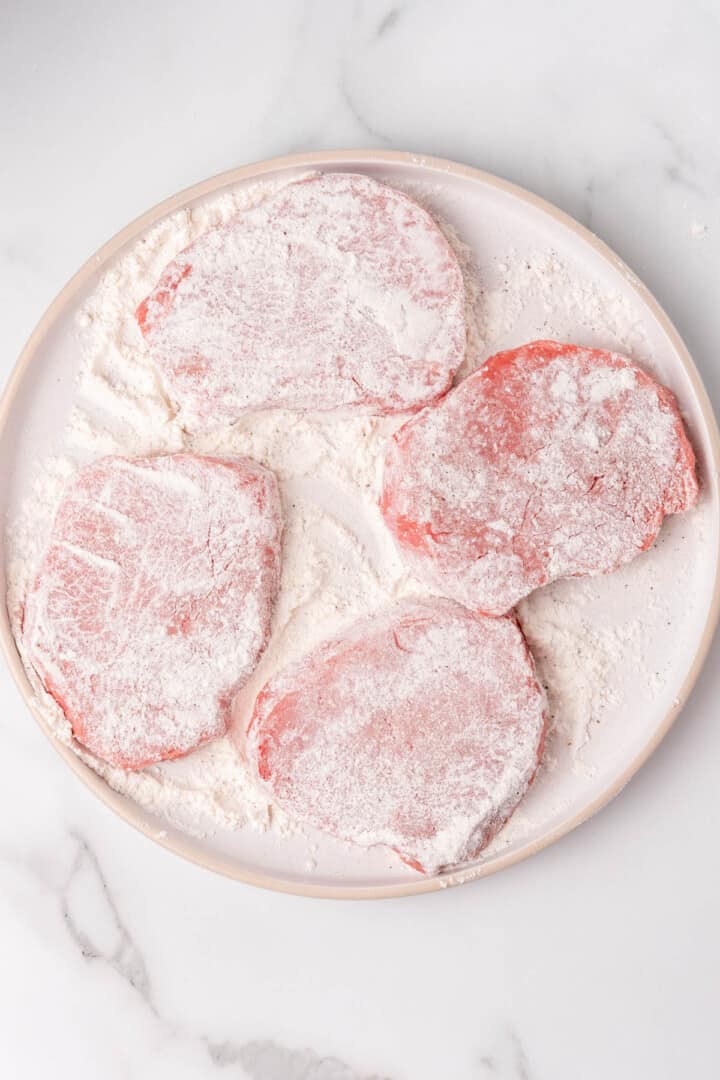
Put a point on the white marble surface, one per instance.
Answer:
(598, 958)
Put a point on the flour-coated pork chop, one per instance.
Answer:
(419, 728)
(336, 292)
(549, 461)
(152, 602)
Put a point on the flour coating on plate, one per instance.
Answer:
(339, 561)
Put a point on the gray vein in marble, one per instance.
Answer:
(388, 22)
(94, 922)
(354, 110)
(320, 114)
(682, 167)
(508, 1061)
(86, 881)
(267, 1060)
(521, 1061)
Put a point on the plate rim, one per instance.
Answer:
(133, 813)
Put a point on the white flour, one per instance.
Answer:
(339, 561)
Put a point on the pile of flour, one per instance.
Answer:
(339, 560)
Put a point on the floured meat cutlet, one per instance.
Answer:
(152, 603)
(419, 728)
(549, 461)
(336, 292)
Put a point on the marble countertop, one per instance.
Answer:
(597, 958)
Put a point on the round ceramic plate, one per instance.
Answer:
(671, 626)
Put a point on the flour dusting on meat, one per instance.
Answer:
(339, 562)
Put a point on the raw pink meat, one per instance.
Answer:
(549, 461)
(337, 291)
(153, 600)
(420, 728)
